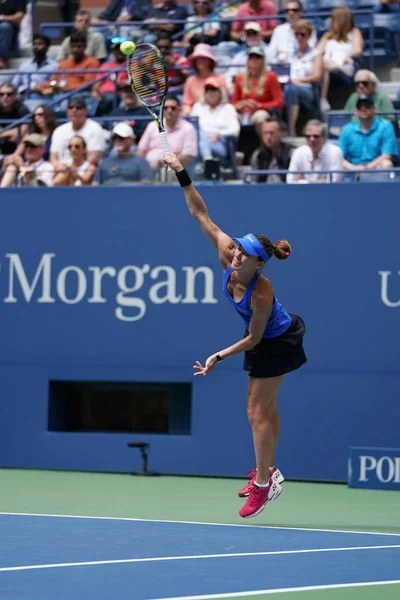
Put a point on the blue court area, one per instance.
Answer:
(54, 557)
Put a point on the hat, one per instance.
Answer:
(252, 246)
(201, 51)
(257, 50)
(117, 41)
(213, 82)
(364, 100)
(78, 101)
(35, 139)
(252, 26)
(123, 130)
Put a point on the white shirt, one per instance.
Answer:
(338, 51)
(329, 159)
(93, 134)
(238, 64)
(283, 43)
(222, 119)
(43, 171)
(303, 66)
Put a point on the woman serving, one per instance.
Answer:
(273, 342)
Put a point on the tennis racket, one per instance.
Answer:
(148, 77)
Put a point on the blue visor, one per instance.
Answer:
(252, 246)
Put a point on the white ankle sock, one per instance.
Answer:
(261, 486)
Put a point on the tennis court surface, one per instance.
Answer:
(82, 535)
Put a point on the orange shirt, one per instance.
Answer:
(271, 97)
(74, 81)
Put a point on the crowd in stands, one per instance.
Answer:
(265, 77)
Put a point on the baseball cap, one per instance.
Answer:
(212, 82)
(252, 26)
(364, 101)
(123, 130)
(77, 101)
(252, 246)
(257, 50)
(117, 41)
(35, 139)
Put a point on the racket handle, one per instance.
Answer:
(165, 146)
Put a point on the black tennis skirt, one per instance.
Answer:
(276, 356)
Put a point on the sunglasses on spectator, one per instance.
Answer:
(313, 135)
(300, 34)
(295, 10)
(117, 137)
(164, 47)
(9, 94)
(170, 108)
(71, 146)
(75, 106)
(38, 114)
(362, 82)
(201, 2)
(29, 145)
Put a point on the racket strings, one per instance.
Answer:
(148, 77)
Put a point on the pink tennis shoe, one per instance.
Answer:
(275, 475)
(259, 498)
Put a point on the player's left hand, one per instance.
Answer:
(208, 367)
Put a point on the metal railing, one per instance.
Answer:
(343, 176)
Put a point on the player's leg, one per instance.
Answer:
(276, 428)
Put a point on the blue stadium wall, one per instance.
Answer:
(121, 285)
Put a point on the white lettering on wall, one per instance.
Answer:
(384, 289)
(387, 468)
(43, 271)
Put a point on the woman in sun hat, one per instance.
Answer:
(203, 62)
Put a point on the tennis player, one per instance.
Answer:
(273, 341)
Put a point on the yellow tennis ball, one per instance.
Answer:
(127, 47)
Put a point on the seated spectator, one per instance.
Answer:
(32, 170)
(387, 7)
(217, 120)
(78, 124)
(43, 122)
(340, 46)
(253, 9)
(318, 155)
(283, 41)
(253, 37)
(122, 11)
(366, 84)
(11, 108)
(130, 108)
(160, 14)
(77, 170)
(104, 90)
(197, 29)
(273, 154)
(306, 70)
(203, 62)
(11, 14)
(176, 76)
(122, 166)
(369, 143)
(182, 137)
(257, 89)
(67, 82)
(39, 67)
(95, 45)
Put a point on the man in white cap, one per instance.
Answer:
(122, 166)
(283, 41)
(253, 37)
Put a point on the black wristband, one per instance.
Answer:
(218, 357)
(183, 178)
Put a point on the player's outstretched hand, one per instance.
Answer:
(171, 160)
(208, 367)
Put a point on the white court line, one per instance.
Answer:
(197, 523)
(283, 590)
(193, 557)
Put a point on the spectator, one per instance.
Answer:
(68, 10)
(217, 120)
(182, 137)
(122, 11)
(253, 9)
(339, 46)
(77, 170)
(197, 29)
(78, 124)
(11, 108)
(273, 154)
(130, 108)
(306, 70)
(283, 41)
(159, 16)
(203, 62)
(366, 84)
(177, 65)
(257, 89)
(104, 90)
(370, 142)
(67, 82)
(122, 166)
(387, 7)
(40, 66)
(318, 155)
(95, 45)
(33, 170)
(11, 14)
(44, 123)
(253, 37)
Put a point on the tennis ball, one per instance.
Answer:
(127, 47)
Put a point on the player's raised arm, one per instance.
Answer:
(224, 244)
